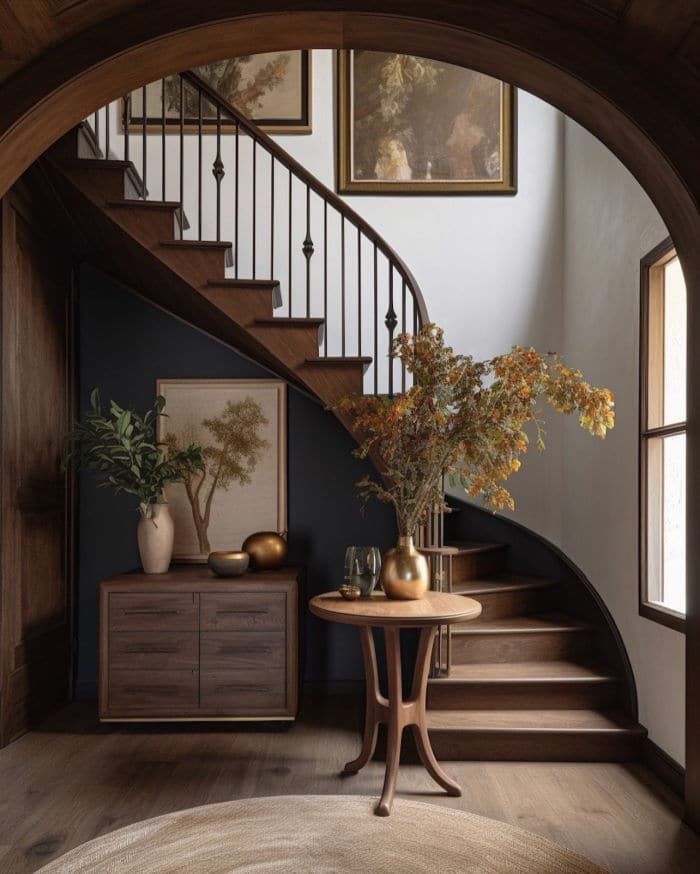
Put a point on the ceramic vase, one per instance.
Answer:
(405, 574)
(155, 535)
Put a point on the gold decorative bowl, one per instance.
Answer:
(350, 593)
(228, 564)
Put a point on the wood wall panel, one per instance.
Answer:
(35, 409)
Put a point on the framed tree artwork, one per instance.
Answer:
(241, 426)
(410, 125)
(272, 89)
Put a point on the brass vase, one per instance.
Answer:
(405, 574)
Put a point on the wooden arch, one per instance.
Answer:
(627, 70)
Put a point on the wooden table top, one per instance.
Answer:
(434, 608)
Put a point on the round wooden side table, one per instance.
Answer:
(427, 614)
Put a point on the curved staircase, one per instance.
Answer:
(542, 674)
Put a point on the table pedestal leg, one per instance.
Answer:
(397, 713)
(375, 703)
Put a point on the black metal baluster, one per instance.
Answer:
(325, 277)
(218, 172)
(391, 321)
(97, 128)
(307, 248)
(235, 230)
(342, 284)
(126, 122)
(359, 294)
(108, 118)
(376, 326)
(182, 158)
(144, 146)
(162, 139)
(403, 331)
(200, 166)
(289, 254)
(272, 215)
(255, 199)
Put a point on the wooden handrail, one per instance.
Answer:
(315, 185)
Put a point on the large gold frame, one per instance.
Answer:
(347, 185)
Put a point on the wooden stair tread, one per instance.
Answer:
(197, 244)
(144, 204)
(473, 547)
(292, 321)
(235, 284)
(542, 623)
(340, 359)
(517, 721)
(525, 672)
(501, 583)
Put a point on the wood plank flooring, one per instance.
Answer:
(73, 780)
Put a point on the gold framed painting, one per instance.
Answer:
(241, 425)
(410, 125)
(272, 89)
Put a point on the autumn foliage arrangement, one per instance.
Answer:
(465, 419)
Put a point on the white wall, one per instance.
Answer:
(609, 225)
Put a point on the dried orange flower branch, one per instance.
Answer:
(464, 418)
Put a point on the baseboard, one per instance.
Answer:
(664, 767)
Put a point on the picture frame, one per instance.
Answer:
(244, 487)
(462, 144)
(279, 100)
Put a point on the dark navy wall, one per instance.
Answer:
(125, 346)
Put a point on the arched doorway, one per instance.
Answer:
(553, 54)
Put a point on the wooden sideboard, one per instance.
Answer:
(188, 645)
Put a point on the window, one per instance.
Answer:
(662, 438)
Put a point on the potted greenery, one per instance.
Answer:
(461, 418)
(121, 447)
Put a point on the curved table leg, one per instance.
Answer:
(375, 704)
(395, 720)
(420, 725)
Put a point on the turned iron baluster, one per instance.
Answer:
(200, 166)
(376, 326)
(126, 122)
(255, 199)
(108, 118)
(289, 242)
(325, 277)
(342, 284)
(359, 294)
(307, 247)
(391, 322)
(236, 202)
(403, 331)
(272, 216)
(218, 172)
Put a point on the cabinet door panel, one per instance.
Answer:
(136, 611)
(240, 691)
(236, 650)
(154, 650)
(243, 611)
(154, 692)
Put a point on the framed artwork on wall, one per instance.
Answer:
(409, 125)
(241, 425)
(272, 89)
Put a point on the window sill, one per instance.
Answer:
(663, 616)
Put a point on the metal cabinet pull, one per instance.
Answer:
(262, 689)
(234, 650)
(141, 650)
(155, 612)
(243, 612)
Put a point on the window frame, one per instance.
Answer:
(652, 262)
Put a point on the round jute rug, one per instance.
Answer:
(319, 833)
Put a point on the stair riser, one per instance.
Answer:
(535, 746)
(520, 646)
(535, 695)
(502, 605)
(477, 565)
(161, 222)
(244, 306)
(101, 183)
(194, 264)
(293, 345)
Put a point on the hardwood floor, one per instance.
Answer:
(73, 780)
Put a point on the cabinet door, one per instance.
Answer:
(243, 611)
(238, 650)
(243, 692)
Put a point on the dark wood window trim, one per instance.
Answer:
(665, 251)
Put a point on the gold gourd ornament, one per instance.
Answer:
(267, 550)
